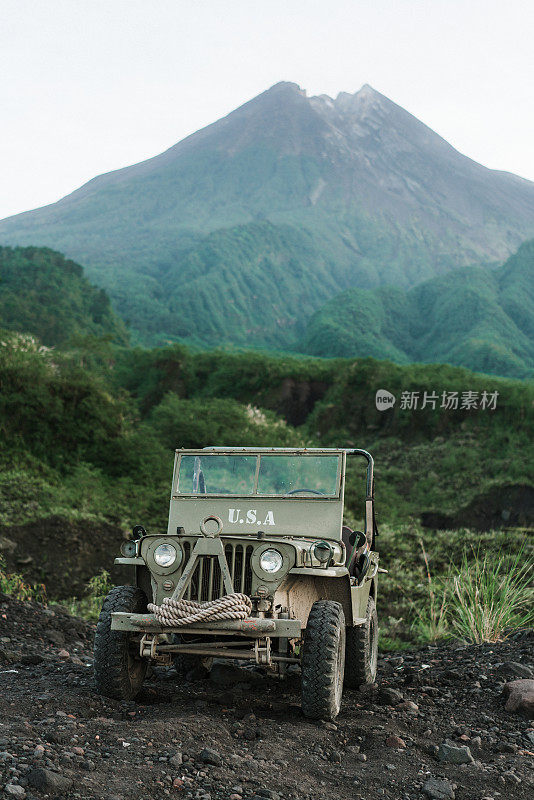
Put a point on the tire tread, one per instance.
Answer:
(358, 651)
(319, 659)
(111, 647)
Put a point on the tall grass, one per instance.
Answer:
(430, 621)
(491, 596)
(484, 596)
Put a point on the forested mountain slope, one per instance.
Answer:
(239, 232)
(45, 294)
(474, 317)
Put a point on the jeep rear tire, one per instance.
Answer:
(362, 650)
(119, 670)
(323, 660)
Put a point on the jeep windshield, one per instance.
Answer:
(268, 475)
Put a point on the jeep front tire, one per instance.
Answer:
(119, 670)
(323, 660)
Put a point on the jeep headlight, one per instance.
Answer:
(271, 561)
(129, 549)
(165, 555)
(323, 552)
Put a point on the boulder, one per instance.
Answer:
(513, 669)
(31, 659)
(438, 789)
(408, 705)
(389, 696)
(176, 760)
(454, 754)
(55, 636)
(519, 697)
(396, 742)
(209, 756)
(49, 782)
(14, 790)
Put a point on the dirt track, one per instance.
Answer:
(239, 735)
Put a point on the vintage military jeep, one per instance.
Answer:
(256, 564)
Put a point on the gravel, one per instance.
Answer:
(239, 735)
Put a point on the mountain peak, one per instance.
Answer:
(367, 91)
(286, 86)
(364, 96)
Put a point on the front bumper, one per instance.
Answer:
(253, 627)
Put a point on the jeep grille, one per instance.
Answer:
(207, 583)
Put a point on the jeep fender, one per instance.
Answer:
(297, 594)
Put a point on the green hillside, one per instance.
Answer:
(45, 294)
(88, 438)
(237, 234)
(475, 317)
(95, 437)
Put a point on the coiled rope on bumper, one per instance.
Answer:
(176, 613)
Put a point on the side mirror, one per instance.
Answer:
(138, 532)
(357, 538)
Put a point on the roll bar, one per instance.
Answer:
(370, 528)
(370, 470)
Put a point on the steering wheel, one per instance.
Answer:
(310, 491)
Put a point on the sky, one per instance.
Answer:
(88, 86)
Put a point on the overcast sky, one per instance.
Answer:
(87, 86)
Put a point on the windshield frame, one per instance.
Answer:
(257, 453)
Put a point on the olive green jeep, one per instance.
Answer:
(256, 565)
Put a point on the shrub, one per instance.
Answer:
(89, 606)
(13, 584)
(213, 421)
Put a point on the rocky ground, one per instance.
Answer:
(435, 726)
